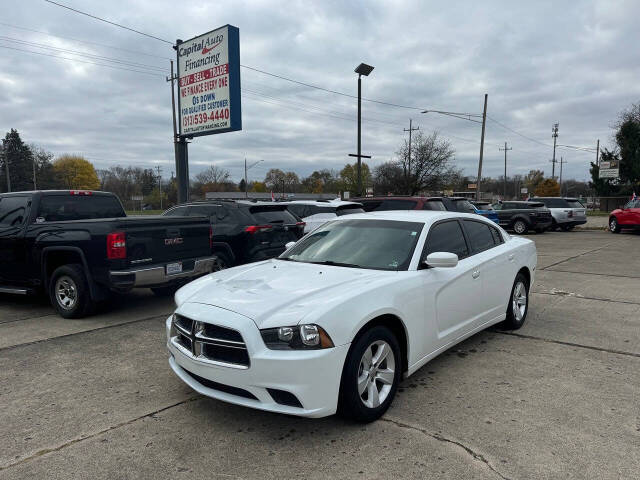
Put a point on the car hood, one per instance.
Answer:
(277, 291)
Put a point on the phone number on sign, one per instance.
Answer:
(201, 118)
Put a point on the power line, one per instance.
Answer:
(109, 22)
(518, 133)
(81, 61)
(326, 89)
(84, 41)
(81, 54)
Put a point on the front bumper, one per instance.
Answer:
(157, 274)
(312, 376)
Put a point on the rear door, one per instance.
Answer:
(494, 267)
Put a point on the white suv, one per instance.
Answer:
(566, 212)
(317, 212)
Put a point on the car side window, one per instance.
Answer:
(497, 236)
(13, 210)
(480, 235)
(177, 212)
(446, 237)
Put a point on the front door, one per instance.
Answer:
(452, 294)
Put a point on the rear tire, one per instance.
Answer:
(69, 291)
(520, 227)
(614, 226)
(518, 306)
(222, 262)
(567, 228)
(370, 375)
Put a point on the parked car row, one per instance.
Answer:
(80, 246)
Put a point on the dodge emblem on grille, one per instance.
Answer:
(173, 241)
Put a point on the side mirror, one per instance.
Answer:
(288, 245)
(441, 260)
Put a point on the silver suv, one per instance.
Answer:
(567, 212)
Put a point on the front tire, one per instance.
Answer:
(520, 227)
(69, 291)
(518, 306)
(614, 226)
(370, 375)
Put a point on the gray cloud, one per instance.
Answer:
(572, 62)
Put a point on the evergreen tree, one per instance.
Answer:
(19, 159)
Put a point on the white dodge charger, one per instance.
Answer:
(335, 322)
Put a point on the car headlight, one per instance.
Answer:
(298, 337)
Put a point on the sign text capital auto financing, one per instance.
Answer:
(209, 83)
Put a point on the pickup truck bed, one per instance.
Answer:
(48, 243)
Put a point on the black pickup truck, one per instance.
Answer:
(523, 216)
(79, 246)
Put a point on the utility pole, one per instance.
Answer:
(598, 153)
(33, 164)
(159, 170)
(484, 122)
(505, 149)
(561, 162)
(408, 175)
(6, 167)
(245, 178)
(554, 135)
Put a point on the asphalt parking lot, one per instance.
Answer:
(560, 398)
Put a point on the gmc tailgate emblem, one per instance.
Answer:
(173, 241)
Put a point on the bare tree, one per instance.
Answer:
(429, 167)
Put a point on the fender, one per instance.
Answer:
(94, 290)
(520, 216)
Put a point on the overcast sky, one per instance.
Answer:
(573, 62)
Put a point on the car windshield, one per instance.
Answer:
(464, 206)
(374, 244)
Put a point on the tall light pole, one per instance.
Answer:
(362, 69)
(245, 174)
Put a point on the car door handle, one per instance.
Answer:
(475, 273)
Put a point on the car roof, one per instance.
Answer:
(425, 216)
(322, 203)
(396, 197)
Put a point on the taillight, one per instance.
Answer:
(80, 192)
(301, 225)
(116, 245)
(210, 236)
(257, 228)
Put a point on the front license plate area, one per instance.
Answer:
(174, 268)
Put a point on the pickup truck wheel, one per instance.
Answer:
(370, 375)
(69, 291)
(518, 306)
(614, 227)
(520, 227)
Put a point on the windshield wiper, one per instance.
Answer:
(337, 264)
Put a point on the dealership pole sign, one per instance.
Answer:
(209, 83)
(609, 169)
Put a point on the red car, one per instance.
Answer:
(625, 217)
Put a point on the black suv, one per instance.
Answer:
(244, 231)
(523, 216)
